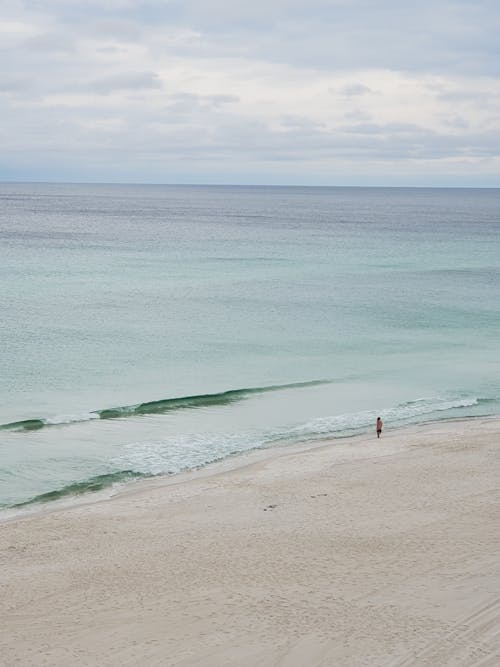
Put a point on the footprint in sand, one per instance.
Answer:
(270, 507)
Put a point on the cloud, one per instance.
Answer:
(353, 90)
(50, 42)
(15, 84)
(125, 81)
(187, 102)
(282, 86)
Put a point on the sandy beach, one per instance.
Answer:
(351, 552)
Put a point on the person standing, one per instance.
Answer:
(379, 427)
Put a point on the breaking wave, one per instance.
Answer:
(156, 407)
(97, 483)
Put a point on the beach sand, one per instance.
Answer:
(354, 552)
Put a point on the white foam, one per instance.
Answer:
(71, 419)
(191, 450)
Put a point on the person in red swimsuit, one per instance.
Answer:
(379, 427)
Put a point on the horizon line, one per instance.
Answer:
(250, 185)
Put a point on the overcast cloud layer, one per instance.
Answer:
(256, 91)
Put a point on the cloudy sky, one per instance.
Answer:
(317, 92)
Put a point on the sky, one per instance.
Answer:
(276, 92)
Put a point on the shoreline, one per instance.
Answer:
(353, 551)
(232, 462)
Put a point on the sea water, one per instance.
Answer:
(147, 330)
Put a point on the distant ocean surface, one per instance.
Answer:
(147, 330)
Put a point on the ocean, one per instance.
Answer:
(149, 329)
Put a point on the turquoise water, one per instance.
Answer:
(150, 329)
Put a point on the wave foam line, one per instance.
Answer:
(158, 407)
(177, 453)
(407, 412)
